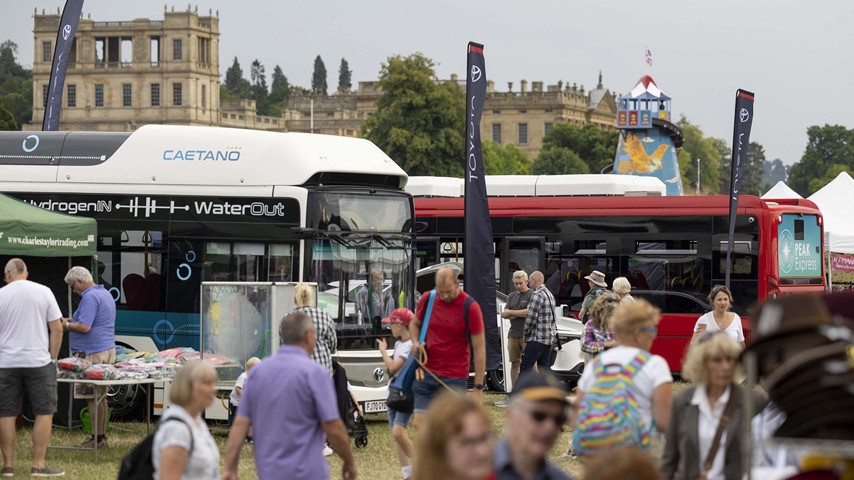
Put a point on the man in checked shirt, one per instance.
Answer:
(540, 327)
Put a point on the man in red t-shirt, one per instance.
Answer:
(447, 342)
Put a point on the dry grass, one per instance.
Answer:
(376, 462)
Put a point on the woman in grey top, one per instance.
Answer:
(183, 446)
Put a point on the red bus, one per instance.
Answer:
(671, 249)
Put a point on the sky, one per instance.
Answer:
(795, 55)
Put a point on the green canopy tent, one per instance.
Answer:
(27, 230)
(49, 243)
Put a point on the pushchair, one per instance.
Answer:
(355, 423)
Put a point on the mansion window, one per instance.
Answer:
(177, 94)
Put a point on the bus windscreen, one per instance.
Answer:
(799, 246)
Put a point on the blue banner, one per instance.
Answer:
(64, 41)
(478, 249)
(740, 142)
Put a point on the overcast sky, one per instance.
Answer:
(796, 55)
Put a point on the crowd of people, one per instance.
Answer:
(626, 421)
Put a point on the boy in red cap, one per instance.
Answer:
(397, 421)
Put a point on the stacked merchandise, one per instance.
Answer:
(78, 368)
(134, 365)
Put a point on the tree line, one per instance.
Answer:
(420, 122)
(16, 89)
(271, 101)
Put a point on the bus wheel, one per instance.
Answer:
(126, 401)
(495, 380)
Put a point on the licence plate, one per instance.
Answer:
(374, 407)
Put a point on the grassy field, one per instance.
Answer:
(376, 462)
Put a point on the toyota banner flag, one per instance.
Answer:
(478, 250)
(64, 40)
(740, 141)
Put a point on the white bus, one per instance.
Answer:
(177, 206)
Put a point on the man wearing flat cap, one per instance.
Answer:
(536, 416)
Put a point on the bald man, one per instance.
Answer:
(540, 327)
(447, 342)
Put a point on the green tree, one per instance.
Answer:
(235, 84)
(419, 122)
(258, 89)
(725, 151)
(696, 145)
(558, 161)
(16, 84)
(318, 79)
(7, 120)
(594, 146)
(345, 77)
(829, 148)
(773, 172)
(280, 92)
(751, 170)
(506, 160)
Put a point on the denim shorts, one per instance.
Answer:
(429, 388)
(397, 418)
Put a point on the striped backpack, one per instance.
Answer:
(608, 416)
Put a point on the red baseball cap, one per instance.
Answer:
(402, 316)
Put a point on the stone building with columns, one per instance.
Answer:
(123, 74)
(521, 118)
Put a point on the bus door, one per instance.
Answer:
(519, 253)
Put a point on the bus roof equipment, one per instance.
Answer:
(542, 186)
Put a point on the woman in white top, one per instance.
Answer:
(720, 319)
(635, 326)
(697, 411)
(183, 446)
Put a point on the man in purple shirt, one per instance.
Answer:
(92, 335)
(291, 405)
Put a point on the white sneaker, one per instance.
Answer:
(327, 451)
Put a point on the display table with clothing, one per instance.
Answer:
(148, 382)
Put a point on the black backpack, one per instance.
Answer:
(138, 464)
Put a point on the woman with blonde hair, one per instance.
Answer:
(327, 340)
(636, 326)
(183, 447)
(456, 443)
(704, 436)
(598, 335)
(622, 287)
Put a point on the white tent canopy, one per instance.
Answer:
(835, 201)
(781, 190)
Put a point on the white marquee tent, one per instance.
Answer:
(835, 200)
(781, 190)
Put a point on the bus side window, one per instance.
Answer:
(130, 265)
(281, 263)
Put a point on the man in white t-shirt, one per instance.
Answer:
(635, 326)
(27, 355)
